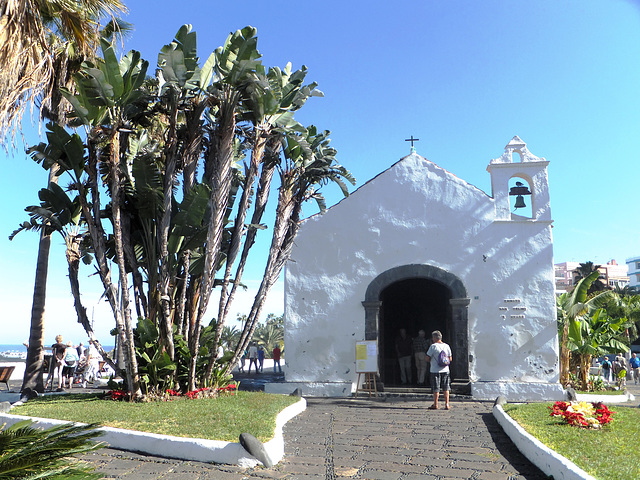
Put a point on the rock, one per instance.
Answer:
(572, 396)
(296, 393)
(28, 394)
(5, 407)
(500, 401)
(255, 447)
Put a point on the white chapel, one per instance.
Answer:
(418, 248)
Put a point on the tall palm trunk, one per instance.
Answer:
(73, 261)
(35, 352)
(126, 334)
(286, 226)
(585, 363)
(564, 354)
(220, 183)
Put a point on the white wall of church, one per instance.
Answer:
(418, 213)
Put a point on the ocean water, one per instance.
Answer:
(12, 348)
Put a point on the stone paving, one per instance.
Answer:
(392, 439)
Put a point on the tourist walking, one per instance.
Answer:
(420, 346)
(276, 358)
(253, 357)
(606, 368)
(404, 349)
(260, 357)
(440, 357)
(634, 364)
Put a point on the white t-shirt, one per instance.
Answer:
(434, 353)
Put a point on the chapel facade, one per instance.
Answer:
(418, 248)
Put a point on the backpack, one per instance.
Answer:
(443, 359)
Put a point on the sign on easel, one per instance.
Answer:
(367, 356)
(367, 364)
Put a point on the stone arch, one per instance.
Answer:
(459, 303)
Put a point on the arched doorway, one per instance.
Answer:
(420, 296)
(413, 304)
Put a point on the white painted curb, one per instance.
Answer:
(547, 460)
(198, 449)
(594, 398)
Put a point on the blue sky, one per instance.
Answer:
(462, 76)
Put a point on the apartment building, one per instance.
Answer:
(633, 270)
(611, 274)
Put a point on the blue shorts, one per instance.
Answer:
(440, 381)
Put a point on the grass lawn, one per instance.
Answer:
(606, 454)
(602, 392)
(223, 418)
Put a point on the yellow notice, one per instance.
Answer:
(361, 351)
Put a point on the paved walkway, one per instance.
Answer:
(396, 439)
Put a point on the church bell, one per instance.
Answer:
(518, 191)
(519, 202)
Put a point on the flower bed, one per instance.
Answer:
(582, 414)
(169, 395)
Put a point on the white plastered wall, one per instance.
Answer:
(418, 213)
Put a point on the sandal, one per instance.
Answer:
(447, 407)
(433, 407)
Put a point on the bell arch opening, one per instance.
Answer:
(417, 297)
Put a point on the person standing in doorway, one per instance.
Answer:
(404, 350)
(420, 346)
(440, 357)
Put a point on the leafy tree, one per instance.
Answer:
(594, 335)
(585, 328)
(270, 334)
(43, 41)
(191, 125)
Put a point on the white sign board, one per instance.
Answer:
(367, 356)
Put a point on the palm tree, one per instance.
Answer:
(41, 42)
(36, 37)
(583, 271)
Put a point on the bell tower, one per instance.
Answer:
(532, 185)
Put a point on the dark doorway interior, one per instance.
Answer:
(413, 304)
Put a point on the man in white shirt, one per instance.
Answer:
(439, 356)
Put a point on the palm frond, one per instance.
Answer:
(32, 453)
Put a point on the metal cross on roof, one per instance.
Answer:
(412, 140)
